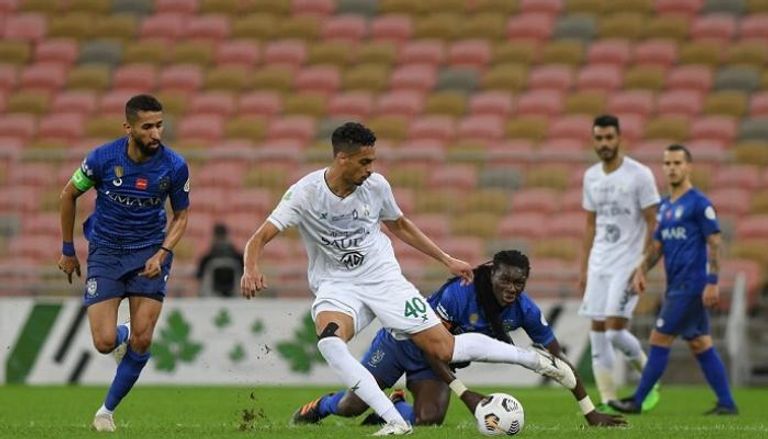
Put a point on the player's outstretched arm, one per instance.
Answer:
(593, 417)
(68, 262)
(410, 234)
(253, 280)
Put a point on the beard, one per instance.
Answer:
(145, 149)
(607, 154)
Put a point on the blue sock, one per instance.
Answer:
(406, 411)
(122, 335)
(714, 371)
(658, 358)
(127, 373)
(329, 404)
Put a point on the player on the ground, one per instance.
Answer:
(355, 276)
(129, 252)
(493, 304)
(688, 236)
(620, 197)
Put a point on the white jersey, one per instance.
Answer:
(342, 236)
(618, 199)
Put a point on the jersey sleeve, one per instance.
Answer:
(707, 218)
(288, 212)
(179, 194)
(534, 323)
(586, 199)
(446, 303)
(647, 192)
(88, 174)
(389, 209)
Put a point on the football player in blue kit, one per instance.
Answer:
(493, 304)
(130, 252)
(688, 236)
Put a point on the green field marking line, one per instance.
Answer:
(31, 340)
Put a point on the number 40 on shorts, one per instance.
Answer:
(415, 308)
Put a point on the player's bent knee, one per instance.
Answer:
(104, 343)
(429, 415)
(140, 343)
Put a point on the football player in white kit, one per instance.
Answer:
(620, 197)
(355, 277)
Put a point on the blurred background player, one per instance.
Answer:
(129, 253)
(688, 237)
(355, 276)
(221, 267)
(494, 304)
(620, 197)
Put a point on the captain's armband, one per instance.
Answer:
(81, 181)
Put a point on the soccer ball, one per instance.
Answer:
(499, 414)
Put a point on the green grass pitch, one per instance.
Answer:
(263, 412)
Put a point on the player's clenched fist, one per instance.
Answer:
(251, 283)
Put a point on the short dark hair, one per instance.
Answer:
(678, 147)
(512, 258)
(350, 137)
(143, 102)
(607, 120)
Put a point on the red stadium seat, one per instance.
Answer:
(58, 51)
(522, 225)
(752, 227)
(551, 77)
(237, 52)
(414, 77)
(135, 77)
(570, 200)
(406, 103)
(215, 102)
(542, 200)
(754, 26)
(656, 51)
(299, 128)
(758, 104)
(224, 174)
(606, 78)
(481, 127)
(48, 223)
(577, 127)
(33, 246)
(463, 177)
(708, 149)
(546, 103)
(434, 225)
(163, 26)
(720, 27)
(497, 103)
(113, 102)
(737, 176)
(45, 76)
(640, 102)
(324, 79)
(212, 27)
(466, 248)
(9, 77)
(530, 26)
(731, 201)
(610, 51)
(718, 128)
(75, 101)
(567, 225)
(31, 174)
(686, 102)
(27, 27)
(422, 52)
(289, 52)
(678, 7)
(22, 126)
(20, 199)
(470, 53)
(441, 128)
(557, 150)
(548, 7)
(313, 7)
(264, 103)
(205, 127)
(182, 77)
(344, 27)
(695, 77)
(176, 6)
(64, 126)
(391, 27)
(356, 104)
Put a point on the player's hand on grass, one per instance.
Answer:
(153, 266)
(69, 265)
(460, 268)
(252, 282)
(638, 281)
(472, 399)
(598, 419)
(711, 295)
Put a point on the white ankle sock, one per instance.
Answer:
(602, 365)
(104, 411)
(629, 345)
(478, 347)
(355, 376)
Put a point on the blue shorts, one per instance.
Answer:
(114, 273)
(388, 359)
(683, 313)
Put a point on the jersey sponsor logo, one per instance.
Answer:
(677, 233)
(129, 201)
(352, 259)
(91, 286)
(141, 183)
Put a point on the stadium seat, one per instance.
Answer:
(32, 101)
(543, 102)
(257, 26)
(344, 28)
(440, 128)
(65, 126)
(43, 76)
(113, 102)
(406, 103)
(232, 78)
(25, 27)
(684, 102)
(219, 103)
(754, 129)
(674, 7)
(313, 7)
(391, 27)
(237, 52)
(731, 201)
(440, 25)
(529, 126)
(726, 103)
(376, 52)
(299, 128)
(459, 79)
(599, 78)
(656, 51)
(150, 52)
(717, 128)
(15, 52)
(522, 224)
(289, 52)
(742, 78)
(209, 27)
(417, 77)
(273, 78)
(692, 77)
(475, 224)
(357, 105)
(640, 102)
(754, 27)
(669, 26)
(646, 77)
(758, 104)
(701, 53)
(462, 177)
(610, 51)
(737, 176)
(303, 27)
(470, 53)
(498, 103)
(187, 7)
(751, 152)
(104, 52)
(629, 25)
(313, 105)
(675, 128)
(535, 199)
(323, 79)
(446, 103)
(568, 52)
(56, 50)
(750, 52)
(135, 77)
(752, 227)
(483, 127)
(208, 127)
(427, 51)
(720, 27)
(575, 26)
(183, 77)
(163, 26)
(483, 25)
(530, 26)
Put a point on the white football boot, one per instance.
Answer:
(555, 368)
(394, 429)
(122, 348)
(103, 422)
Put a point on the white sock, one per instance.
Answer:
(355, 376)
(602, 365)
(104, 411)
(478, 347)
(629, 345)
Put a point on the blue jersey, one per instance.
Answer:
(682, 229)
(130, 200)
(457, 305)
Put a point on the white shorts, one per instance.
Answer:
(609, 295)
(396, 302)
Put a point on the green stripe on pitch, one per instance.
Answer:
(30, 342)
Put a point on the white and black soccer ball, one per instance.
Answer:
(499, 414)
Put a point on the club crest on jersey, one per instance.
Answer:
(141, 183)
(352, 259)
(91, 286)
(376, 358)
(679, 212)
(118, 181)
(164, 184)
